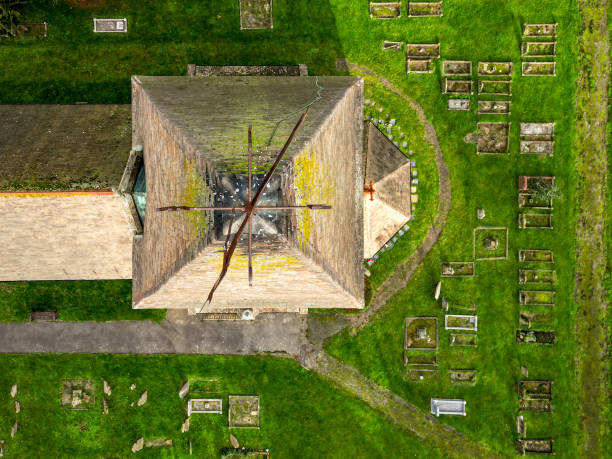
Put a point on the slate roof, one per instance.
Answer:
(389, 170)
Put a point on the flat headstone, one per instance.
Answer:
(234, 442)
(158, 443)
(14, 390)
(14, 429)
(133, 386)
(110, 25)
(107, 388)
(185, 426)
(438, 290)
(143, 398)
(524, 372)
(105, 406)
(184, 390)
(138, 445)
(17, 407)
(480, 213)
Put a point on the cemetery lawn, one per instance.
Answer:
(73, 300)
(481, 31)
(300, 415)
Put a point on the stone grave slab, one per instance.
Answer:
(244, 411)
(537, 147)
(493, 138)
(256, 14)
(78, 394)
(110, 25)
(448, 406)
(459, 104)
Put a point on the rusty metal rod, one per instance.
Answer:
(250, 217)
(251, 208)
(244, 208)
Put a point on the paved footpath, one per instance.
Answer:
(178, 334)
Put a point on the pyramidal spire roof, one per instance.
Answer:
(389, 208)
(194, 136)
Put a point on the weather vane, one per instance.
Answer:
(249, 209)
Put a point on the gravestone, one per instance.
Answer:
(256, 14)
(138, 445)
(143, 398)
(110, 25)
(184, 390)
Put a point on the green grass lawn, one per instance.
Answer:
(300, 415)
(480, 31)
(73, 300)
(74, 65)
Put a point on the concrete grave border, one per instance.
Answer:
(433, 5)
(472, 337)
(396, 5)
(551, 34)
(523, 281)
(419, 66)
(472, 318)
(485, 91)
(526, 45)
(523, 302)
(483, 73)
(392, 45)
(525, 195)
(552, 65)
(447, 83)
(457, 263)
(505, 106)
(191, 410)
(445, 71)
(522, 253)
(522, 220)
(407, 323)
